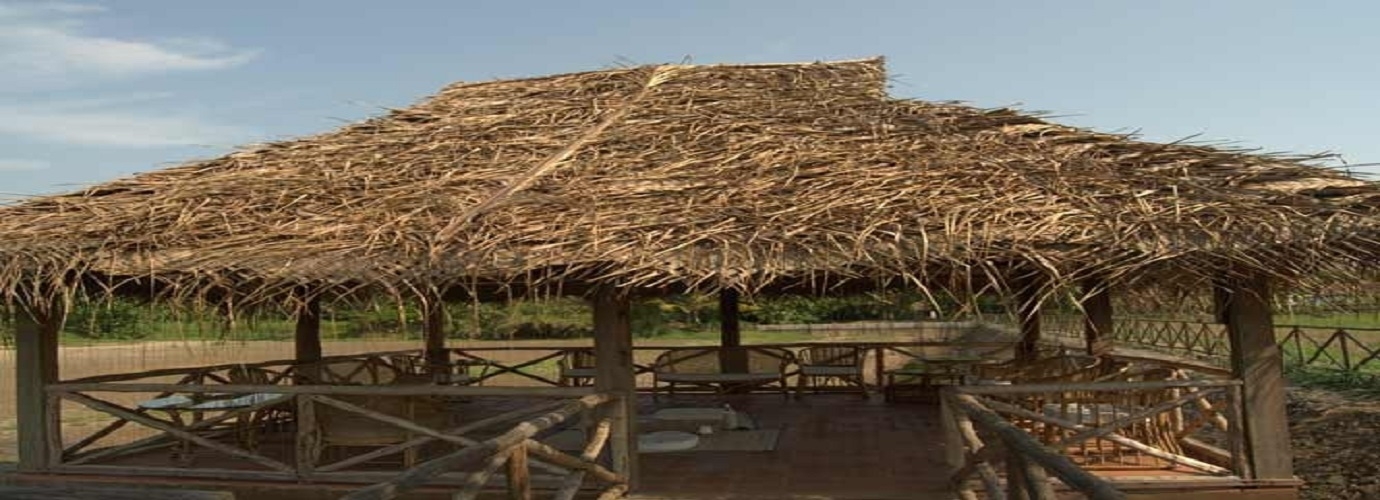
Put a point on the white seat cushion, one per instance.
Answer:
(664, 441)
(244, 401)
(176, 401)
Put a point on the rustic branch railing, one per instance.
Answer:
(511, 450)
(1067, 429)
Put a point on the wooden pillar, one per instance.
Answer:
(307, 336)
(730, 334)
(614, 373)
(36, 366)
(1028, 307)
(1097, 317)
(1256, 360)
(434, 329)
(1221, 295)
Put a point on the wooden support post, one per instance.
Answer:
(1256, 360)
(36, 366)
(519, 477)
(1097, 317)
(308, 448)
(307, 337)
(1221, 295)
(614, 373)
(1028, 306)
(434, 328)
(1015, 476)
(730, 334)
(955, 452)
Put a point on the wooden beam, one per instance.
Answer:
(434, 328)
(730, 334)
(307, 336)
(1027, 293)
(36, 366)
(614, 375)
(1097, 317)
(1256, 360)
(519, 477)
(1221, 295)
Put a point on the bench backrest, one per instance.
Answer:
(713, 360)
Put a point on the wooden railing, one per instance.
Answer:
(224, 426)
(1070, 429)
(511, 451)
(1353, 350)
(537, 364)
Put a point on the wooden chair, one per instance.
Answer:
(248, 424)
(411, 369)
(821, 365)
(577, 367)
(356, 371)
(338, 428)
(722, 368)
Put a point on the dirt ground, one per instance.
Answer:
(1336, 440)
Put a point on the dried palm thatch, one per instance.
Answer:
(748, 176)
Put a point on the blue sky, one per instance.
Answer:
(91, 91)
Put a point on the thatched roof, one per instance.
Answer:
(675, 175)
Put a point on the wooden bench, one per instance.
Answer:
(722, 369)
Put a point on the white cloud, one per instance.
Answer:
(105, 126)
(46, 44)
(21, 165)
(48, 47)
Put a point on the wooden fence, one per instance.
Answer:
(215, 423)
(1352, 350)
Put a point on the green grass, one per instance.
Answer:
(1334, 320)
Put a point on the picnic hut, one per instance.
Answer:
(735, 179)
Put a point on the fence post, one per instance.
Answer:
(1235, 437)
(1346, 353)
(519, 480)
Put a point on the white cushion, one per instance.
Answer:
(664, 441)
(244, 401)
(176, 401)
